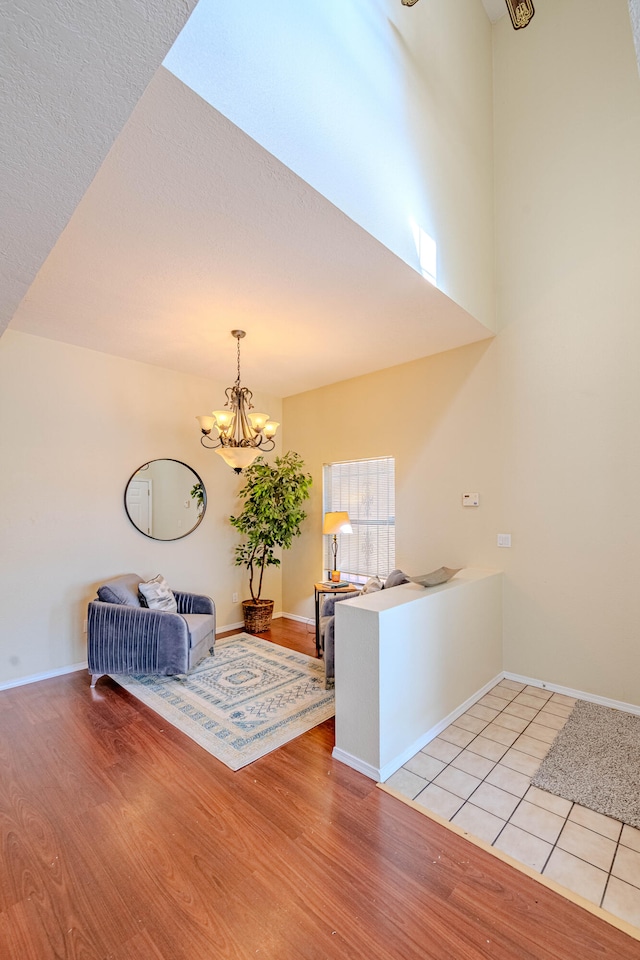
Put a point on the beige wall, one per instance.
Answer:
(438, 417)
(567, 109)
(542, 421)
(74, 425)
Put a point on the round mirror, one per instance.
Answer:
(165, 499)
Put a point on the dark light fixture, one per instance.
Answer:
(237, 435)
(521, 12)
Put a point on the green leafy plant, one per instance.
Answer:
(197, 494)
(272, 513)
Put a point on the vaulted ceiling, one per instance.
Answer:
(137, 220)
(70, 75)
(119, 234)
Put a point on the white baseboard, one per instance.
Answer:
(276, 616)
(240, 624)
(356, 764)
(380, 774)
(395, 764)
(577, 694)
(230, 626)
(294, 616)
(34, 678)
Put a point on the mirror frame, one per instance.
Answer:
(198, 480)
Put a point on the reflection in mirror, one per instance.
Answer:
(165, 499)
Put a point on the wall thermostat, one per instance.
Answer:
(470, 499)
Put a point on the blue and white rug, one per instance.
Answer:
(247, 699)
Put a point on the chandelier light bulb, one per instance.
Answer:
(258, 420)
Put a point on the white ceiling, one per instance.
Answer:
(190, 229)
(495, 9)
(70, 75)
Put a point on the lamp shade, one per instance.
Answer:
(238, 457)
(337, 522)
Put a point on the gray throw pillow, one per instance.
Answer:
(436, 577)
(395, 578)
(372, 585)
(123, 589)
(158, 595)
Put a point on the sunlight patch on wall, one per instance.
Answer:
(427, 250)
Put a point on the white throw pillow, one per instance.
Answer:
(158, 595)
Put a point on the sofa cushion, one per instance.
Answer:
(122, 589)
(158, 595)
(200, 626)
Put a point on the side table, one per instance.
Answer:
(319, 589)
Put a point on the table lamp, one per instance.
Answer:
(335, 523)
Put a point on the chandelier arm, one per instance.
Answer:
(211, 444)
(246, 433)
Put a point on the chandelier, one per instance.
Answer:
(520, 11)
(237, 435)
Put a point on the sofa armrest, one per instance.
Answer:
(329, 601)
(124, 639)
(194, 603)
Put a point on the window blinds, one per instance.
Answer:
(366, 490)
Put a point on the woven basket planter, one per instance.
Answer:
(257, 615)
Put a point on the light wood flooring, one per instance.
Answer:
(123, 839)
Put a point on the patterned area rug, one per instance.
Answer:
(595, 761)
(247, 699)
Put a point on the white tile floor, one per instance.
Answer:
(477, 774)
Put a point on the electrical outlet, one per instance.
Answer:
(234, 598)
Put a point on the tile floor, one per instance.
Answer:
(477, 774)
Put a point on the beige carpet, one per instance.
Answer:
(595, 761)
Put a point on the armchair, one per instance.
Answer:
(125, 637)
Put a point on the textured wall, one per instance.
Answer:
(70, 75)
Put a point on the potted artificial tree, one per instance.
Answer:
(270, 518)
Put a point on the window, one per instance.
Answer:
(366, 490)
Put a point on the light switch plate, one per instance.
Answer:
(504, 539)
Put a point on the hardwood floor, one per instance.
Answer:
(123, 839)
